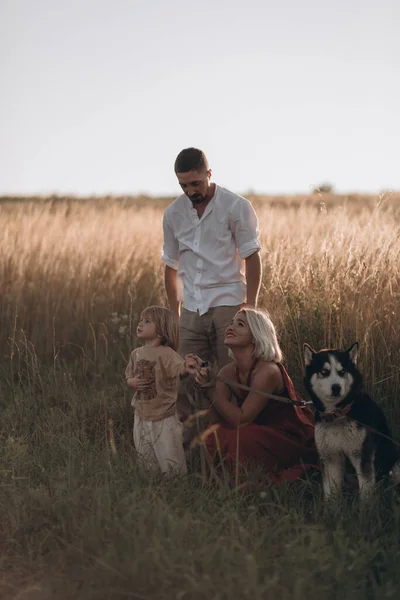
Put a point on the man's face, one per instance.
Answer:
(195, 184)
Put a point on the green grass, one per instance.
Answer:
(81, 522)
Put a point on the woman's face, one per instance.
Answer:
(238, 334)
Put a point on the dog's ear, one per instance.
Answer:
(353, 352)
(308, 354)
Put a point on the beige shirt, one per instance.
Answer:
(162, 366)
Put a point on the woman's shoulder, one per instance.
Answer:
(263, 367)
(228, 370)
(267, 369)
(267, 366)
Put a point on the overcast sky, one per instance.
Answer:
(99, 96)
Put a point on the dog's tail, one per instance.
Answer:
(395, 474)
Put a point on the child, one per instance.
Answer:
(153, 371)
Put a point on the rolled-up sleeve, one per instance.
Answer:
(171, 246)
(245, 228)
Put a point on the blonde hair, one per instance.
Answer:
(266, 345)
(166, 325)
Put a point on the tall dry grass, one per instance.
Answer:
(75, 276)
(79, 520)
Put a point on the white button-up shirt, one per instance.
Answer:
(209, 253)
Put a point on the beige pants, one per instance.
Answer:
(159, 444)
(203, 335)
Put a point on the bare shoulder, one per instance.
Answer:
(228, 370)
(268, 373)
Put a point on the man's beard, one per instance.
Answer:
(197, 199)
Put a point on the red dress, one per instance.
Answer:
(280, 440)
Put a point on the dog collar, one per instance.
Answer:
(330, 416)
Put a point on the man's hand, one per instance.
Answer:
(138, 383)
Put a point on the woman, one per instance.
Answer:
(254, 429)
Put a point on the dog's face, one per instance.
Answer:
(330, 375)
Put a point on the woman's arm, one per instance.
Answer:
(267, 379)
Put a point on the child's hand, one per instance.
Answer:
(138, 383)
(192, 363)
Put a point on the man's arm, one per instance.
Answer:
(170, 258)
(253, 278)
(171, 287)
(246, 233)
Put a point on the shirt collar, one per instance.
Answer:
(209, 207)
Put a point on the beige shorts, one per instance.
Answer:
(203, 335)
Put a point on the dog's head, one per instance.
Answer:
(330, 376)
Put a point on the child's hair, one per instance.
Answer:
(266, 345)
(166, 325)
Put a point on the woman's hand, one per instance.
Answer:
(203, 376)
(199, 369)
(138, 383)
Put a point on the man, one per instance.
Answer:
(211, 256)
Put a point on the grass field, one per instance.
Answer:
(79, 521)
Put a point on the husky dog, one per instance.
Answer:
(348, 423)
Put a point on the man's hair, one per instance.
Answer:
(166, 325)
(266, 345)
(191, 159)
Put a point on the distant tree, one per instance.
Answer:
(323, 188)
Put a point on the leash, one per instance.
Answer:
(301, 403)
(241, 386)
(247, 388)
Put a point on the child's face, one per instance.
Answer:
(146, 329)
